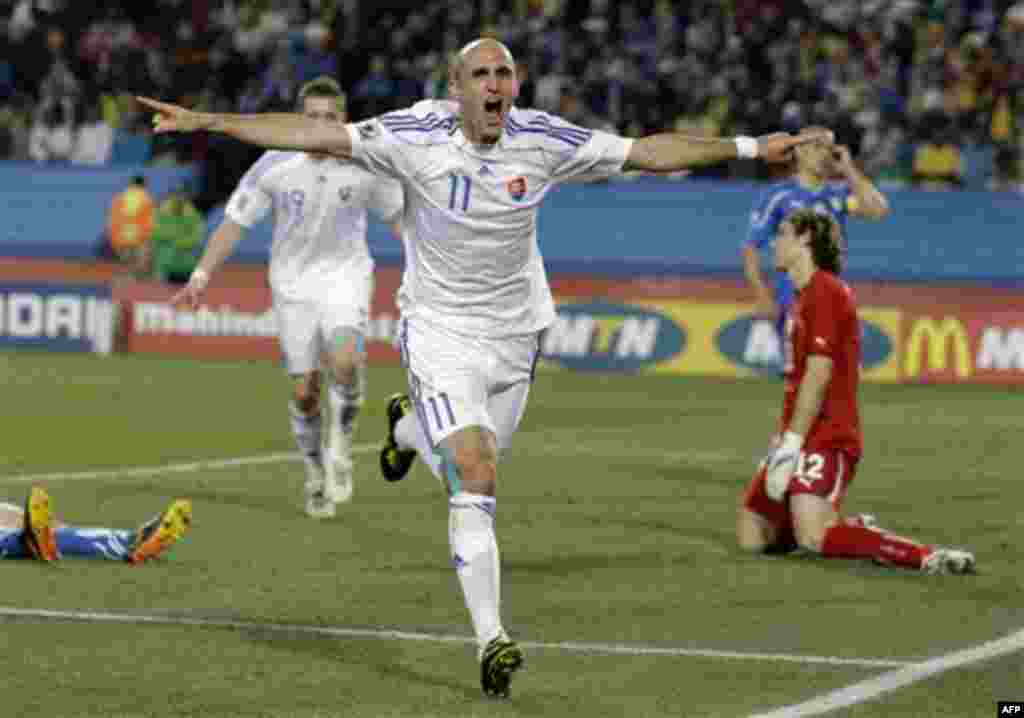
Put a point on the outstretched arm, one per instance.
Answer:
(668, 152)
(278, 130)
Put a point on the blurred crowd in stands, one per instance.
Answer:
(925, 92)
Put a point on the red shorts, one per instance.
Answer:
(824, 472)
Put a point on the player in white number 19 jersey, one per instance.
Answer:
(321, 277)
(474, 297)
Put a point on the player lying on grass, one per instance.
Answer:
(795, 498)
(33, 531)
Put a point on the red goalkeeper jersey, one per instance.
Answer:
(824, 321)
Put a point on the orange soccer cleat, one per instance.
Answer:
(161, 532)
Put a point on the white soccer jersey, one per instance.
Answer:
(319, 218)
(470, 222)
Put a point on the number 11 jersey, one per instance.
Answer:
(470, 218)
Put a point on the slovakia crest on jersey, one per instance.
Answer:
(517, 188)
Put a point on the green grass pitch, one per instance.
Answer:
(615, 519)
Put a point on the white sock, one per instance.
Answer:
(409, 434)
(477, 562)
(306, 430)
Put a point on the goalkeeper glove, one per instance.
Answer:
(782, 465)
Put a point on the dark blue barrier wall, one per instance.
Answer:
(62, 211)
(646, 226)
(696, 227)
(652, 226)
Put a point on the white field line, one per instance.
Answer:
(191, 467)
(162, 469)
(400, 635)
(905, 674)
(892, 680)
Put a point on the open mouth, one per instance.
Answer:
(493, 110)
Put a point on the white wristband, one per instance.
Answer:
(746, 147)
(199, 278)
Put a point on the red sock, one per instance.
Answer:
(843, 541)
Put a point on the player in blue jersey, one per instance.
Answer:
(33, 531)
(824, 178)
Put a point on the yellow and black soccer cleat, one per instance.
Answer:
(161, 532)
(394, 462)
(39, 535)
(501, 658)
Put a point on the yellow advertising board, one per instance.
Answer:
(701, 338)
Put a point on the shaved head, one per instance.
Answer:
(483, 81)
(481, 43)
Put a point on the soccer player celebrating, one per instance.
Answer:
(814, 165)
(33, 531)
(474, 296)
(321, 276)
(795, 498)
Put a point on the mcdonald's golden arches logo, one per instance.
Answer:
(937, 342)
